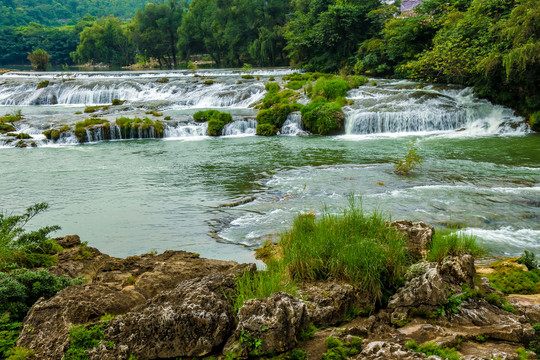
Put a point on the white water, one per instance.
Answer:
(240, 127)
(397, 108)
(293, 125)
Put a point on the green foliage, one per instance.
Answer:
(248, 77)
(21, 248)
(337, 350)
(261, 284)
(131, 126)
(330, 89)
(21, 288)
(19, 353)
(84, 338)
(39, 59)
(106, 41)
(522, 354)
(409, 162)
(353, 247)
(116, 102)
(251, 343)
(510, 279)
(529, 260)
(297, 354)
(272, 87)
(93, 109)
(535, 121)
(276, 115)
(9, 332)
(43, 84)
(433, 349)
(495, 299)
(534, 345)
(308, 333)
(450, 243)
(266, 129)
(323, 118)
(203, 116)
(296, 85)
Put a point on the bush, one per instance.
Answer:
(272, 87)
(410, 162)
(217, 122)
(9, 332)
(39, 60)
(84, 338)
(203, 116)
(276, 115)
(323, 118)
(510, 279)
(266, 130)
(353, 247)
(43, 84)
(330, 89)
(535, 121)
(296, 85)
(21, 288)
(529, 260)
(447, 243)
(28, 249)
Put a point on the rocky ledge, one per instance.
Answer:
(178, 305)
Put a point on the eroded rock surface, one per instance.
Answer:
(419, 235)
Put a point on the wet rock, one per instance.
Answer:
(47, 324)
(276, 320)
(191, 320)
(419, 235)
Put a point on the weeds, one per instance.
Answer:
(408, 163)
(529, 260)
(338, 350)
(432, 349)
(510, 279)
(449, 243)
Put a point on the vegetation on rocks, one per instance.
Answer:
(452, 243)
(266, 130)
(93, 109)
(323, 118)
(39, 59)
(129, 126)
(433, 349)
(216, 120)
(82, 127)
(43, 84)
(511, 279)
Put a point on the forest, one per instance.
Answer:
(492, 45)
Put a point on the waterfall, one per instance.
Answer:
(293, 125)
(184, 130)
(240, 127)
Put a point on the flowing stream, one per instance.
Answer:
(480, 170)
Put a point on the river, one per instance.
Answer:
(480, 170)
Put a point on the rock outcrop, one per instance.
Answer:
(419, 235)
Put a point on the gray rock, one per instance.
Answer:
(276, 320)
(419, 235)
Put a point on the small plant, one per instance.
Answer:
(338, 350)
(84, 338)
(529, 260)
(43, 84)
(107, 317)
(451, 243)
(481, 338)
(39, 60)
(116, 102)
(253, 345)
(247, 67)
(297, 354)
(271, 78)
(523, 354)
(208, 82)
(308, 333)
(19, 353)
(9, 332)
(432, 349)
(408, 163)
(534, 345)
(248, 77)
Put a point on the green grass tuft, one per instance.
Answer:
(450, 243)
(432, 349)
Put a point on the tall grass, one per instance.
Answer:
(452, 243)
(354, 247)
(261, 284)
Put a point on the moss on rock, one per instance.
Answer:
(323, 118)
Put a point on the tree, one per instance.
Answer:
(39, 59)
(105, 41)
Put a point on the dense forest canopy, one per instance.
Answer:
(492, 45)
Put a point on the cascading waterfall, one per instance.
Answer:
(240, 127)
(293, 125)
(402, 109)
(185, 130)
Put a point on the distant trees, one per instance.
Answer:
(105, 41)
(155, 31)
(39, 60)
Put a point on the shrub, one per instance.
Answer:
(296, 85)
(410, 162)
(535, 121)
(43, 84)
(9, 332)
(534, 345)
(297, 354)
(266, 130)
(19, 353)
(323, 118)
(21, 288)
(353, 247)
(529, 260)
(21, 248)
(276, 115)
(272, 87)
(248, 77)
(337, 350)
(84, 338)
(448, 243)
(203, 116)
(39, 60)
(330, 89)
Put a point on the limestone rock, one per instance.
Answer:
(191, 320)
(419, 235)
(276, 320)
(47, 324)
(381, 350)
(68, 241)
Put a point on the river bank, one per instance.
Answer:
(177, 304)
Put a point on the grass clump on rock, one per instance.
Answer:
(430, 349)
(266, 130)
(216, 120)
(323, 118)
(449, 243)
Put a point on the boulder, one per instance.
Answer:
(47, 324)
(419, 235)
(328, 302)
(276, 321)
(68, 241)
(191, 320)
(381, 350)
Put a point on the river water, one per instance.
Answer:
(480, 171)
